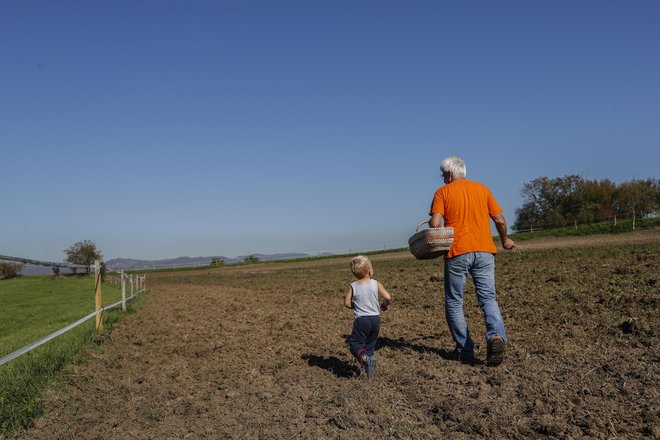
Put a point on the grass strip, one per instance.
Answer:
(34, 307)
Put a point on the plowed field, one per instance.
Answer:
(259, 351)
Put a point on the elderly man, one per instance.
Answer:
(468, 206)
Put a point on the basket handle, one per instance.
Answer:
(420, 225)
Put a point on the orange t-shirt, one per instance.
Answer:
(467, 206)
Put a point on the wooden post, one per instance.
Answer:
(99, 295)
(132, 285)
(123, 292)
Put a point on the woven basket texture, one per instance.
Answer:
(430, 243)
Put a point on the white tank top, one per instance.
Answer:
(365, 298)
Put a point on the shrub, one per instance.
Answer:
(9, 269)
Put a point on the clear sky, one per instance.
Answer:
(161, 129)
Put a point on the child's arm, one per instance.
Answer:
(348, 299)
(387, 298)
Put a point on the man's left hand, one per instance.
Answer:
(508, 244)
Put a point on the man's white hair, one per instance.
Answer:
(454, 165)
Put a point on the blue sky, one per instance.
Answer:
(161, 129)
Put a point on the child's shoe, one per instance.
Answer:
(373, 367)
(365, 361)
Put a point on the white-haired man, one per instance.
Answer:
(468, 207)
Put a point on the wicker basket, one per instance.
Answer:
(430, 243)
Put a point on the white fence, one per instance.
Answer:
(621, 221)
(136, 284)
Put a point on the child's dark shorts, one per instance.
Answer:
(364, 335)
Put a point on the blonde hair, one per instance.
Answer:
(360, 266)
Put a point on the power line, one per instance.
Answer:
(41, 263)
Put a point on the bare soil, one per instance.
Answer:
(259, 351)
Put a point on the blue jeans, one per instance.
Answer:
(481, 266)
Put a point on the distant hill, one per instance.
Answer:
(129, 264)
(30, 269)
(171, 263)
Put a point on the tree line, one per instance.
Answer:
(561, 201)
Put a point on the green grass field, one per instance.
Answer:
(33, 307)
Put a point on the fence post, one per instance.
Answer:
(132, 285)
(123, 292)
(99, 295)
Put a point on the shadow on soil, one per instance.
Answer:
(402, 344)
(334, 365)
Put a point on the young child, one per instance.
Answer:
(362, 297)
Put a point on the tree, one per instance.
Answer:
(83, 253)
(251, 259)
(638, 197)
(217, 261)
(548, 202)
(596, 200)
(571, 199)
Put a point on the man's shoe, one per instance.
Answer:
(495, 351)
(464, 358)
